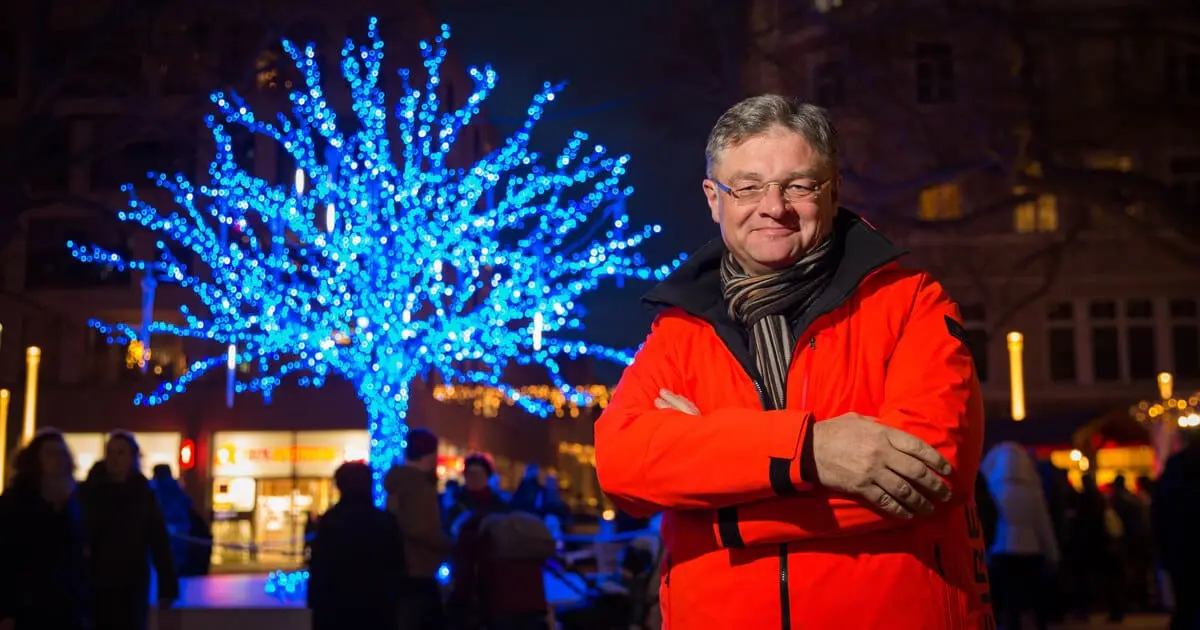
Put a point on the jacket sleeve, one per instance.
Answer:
(931, 392)
(650, 459)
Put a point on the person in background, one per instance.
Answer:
(125, 527)
(1137, 543)
(1025, 548)
(357, 564)
(176, 508)
(477, 496)
(413, 500)
(493, 588)
(1175, 514)
(43, 585)
(529, 495)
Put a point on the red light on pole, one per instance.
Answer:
(187, 455)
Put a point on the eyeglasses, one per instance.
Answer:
(792, 192)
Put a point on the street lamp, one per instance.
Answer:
(1016, 374)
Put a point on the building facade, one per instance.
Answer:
(105, 107)
(1040, 158)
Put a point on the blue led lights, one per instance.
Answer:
(382, 261)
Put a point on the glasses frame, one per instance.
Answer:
(756, 193)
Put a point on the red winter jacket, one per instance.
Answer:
(748, 546)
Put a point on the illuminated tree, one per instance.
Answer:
(381, 263)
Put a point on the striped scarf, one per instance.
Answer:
(766, 304)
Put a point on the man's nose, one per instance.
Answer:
(773, 204)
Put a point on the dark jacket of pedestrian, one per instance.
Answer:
(42, 566)
(126, 533)
(357, 564)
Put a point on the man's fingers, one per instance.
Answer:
(903, 492)
(919, 449)
(885, 502)
(684, 406)
(679, 402)
(916, 472)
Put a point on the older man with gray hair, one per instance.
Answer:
(805, 412)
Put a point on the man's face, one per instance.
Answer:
(773, 232)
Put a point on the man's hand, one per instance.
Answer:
(888, 467)
(668, 399)
(854, 454)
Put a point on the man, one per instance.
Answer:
(357, 559)
(804, 412)
(413, 500)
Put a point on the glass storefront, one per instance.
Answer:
(267, 485)
(157, 448)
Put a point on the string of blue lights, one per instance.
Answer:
(382, 262)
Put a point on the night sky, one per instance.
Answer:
(603, 51)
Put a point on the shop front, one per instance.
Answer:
(269, 486)
(157, 448)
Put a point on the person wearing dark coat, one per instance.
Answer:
(357, 567)
(125, 533)
(491, 592)
(42, 570)
(1175, 514)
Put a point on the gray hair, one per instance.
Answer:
(758, 114)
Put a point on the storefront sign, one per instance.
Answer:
(277, 454)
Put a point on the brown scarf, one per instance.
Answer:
(767, 303)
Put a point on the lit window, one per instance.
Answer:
(1038, 215)
(940, 203)
(1109, 162)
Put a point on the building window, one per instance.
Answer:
(1061, 344)
(1181, 74)
(940, 203)
(825, 6)
(1039, 215)
(1109, 162)
(48, 161)
(1106, 345)
(1139, 340)
(1185, 338)
(829, 84)
(1184, 175)
(935, 73)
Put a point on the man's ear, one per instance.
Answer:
(713, 196)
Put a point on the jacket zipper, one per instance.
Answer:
(785, 600)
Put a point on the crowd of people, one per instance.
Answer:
(95, 554)
(1056, 552)
(75, 556)
(371, 568)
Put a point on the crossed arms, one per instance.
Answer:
(660, 456)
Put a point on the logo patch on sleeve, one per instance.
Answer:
(956, 330)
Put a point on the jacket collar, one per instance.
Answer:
(696, 286)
